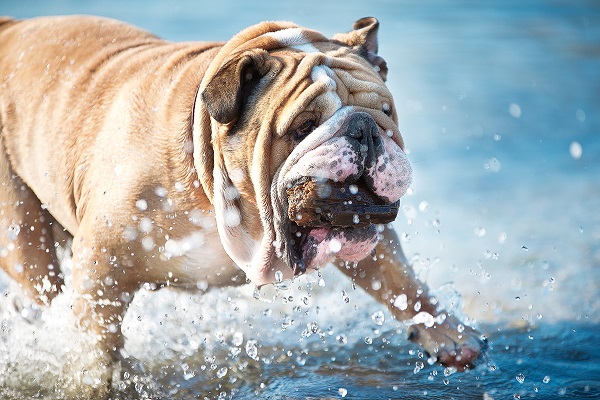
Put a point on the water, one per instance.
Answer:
(498, 106)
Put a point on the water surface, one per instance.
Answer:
(498, 106)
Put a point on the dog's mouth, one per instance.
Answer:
(334, 219)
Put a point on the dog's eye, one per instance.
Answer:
(303, 130)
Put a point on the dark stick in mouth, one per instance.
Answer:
(334, 206)
(313, 203)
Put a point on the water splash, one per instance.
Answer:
(378, 317)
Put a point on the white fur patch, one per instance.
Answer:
(237, 242)
(392, 172)
(306, 47)
(294, 38)
(289, 37)
(322, 74)
(327, 161)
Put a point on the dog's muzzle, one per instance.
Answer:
(341, 213)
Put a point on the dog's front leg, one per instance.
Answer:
(388, 278)
(102, 290)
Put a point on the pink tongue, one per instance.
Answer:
(345, 244)
(319, 233)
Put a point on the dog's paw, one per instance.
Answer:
(449, 342)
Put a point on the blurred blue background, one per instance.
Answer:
(498, 105)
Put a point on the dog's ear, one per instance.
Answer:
(225, 93)
(364, 37)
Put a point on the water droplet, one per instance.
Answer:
(278, 276)
(417, 306)
(341, 339)
(401, 302)
(13, 231)
(546, 379)
(343, 392)
(378, 317)
(514, 110)
(252, 349)
(353, 189)
(424, 318)
(232, 217)
(524, 248)
(160, 191)
(238, 339)
(450, 370)
(423, 206)
(368, 340)
(231, 193)
(520, 378)
(312, 327)
(418, 367)
(502, 237)
(222, 372)
(480, 231)
(575, 150)
(460, 328)
(355, 219)
(335, 245)
(130, 233)
(109, 281)
(492, 164)
(376, 284)
(345, 297)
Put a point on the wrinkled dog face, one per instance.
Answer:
(288, 107)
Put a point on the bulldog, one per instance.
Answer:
(172, 164)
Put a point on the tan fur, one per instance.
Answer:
(115, 135)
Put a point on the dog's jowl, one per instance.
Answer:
(266, 156)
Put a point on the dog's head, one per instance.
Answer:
(281, 106)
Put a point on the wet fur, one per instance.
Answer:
(125, 146)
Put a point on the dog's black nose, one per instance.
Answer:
(363, 128)
(361, 125)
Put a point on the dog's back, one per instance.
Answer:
(5, 22)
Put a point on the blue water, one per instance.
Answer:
(498, 104)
